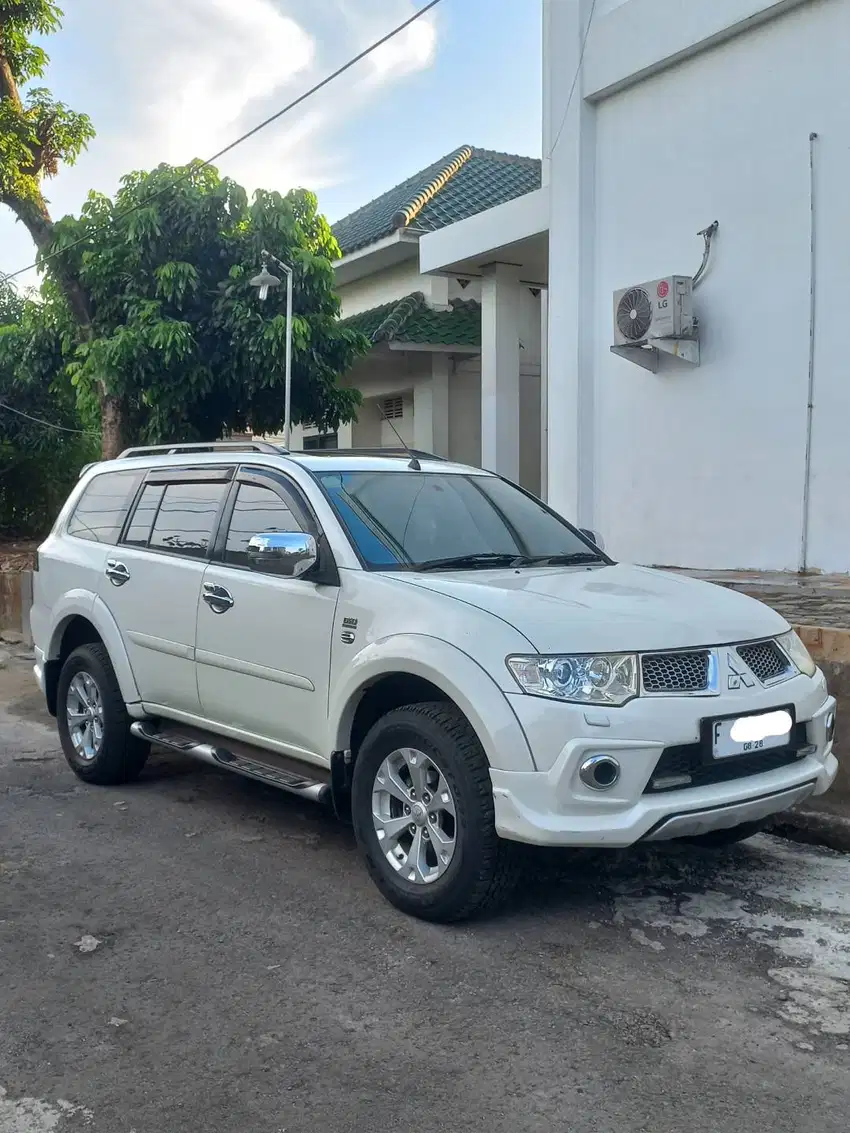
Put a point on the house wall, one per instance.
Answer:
(383, 287)
(705, 466)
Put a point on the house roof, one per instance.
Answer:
(463, 183)
(411, 320)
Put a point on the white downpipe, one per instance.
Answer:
(807, 474)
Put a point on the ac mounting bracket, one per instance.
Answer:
(648, 353)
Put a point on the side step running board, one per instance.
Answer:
(254, 768)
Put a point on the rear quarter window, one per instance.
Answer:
(103, 507)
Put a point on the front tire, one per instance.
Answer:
(94, 726)
(422, 807)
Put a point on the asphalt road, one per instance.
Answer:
(246, 976)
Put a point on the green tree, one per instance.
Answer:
(189, 347)
(38, 462)
(39, 134)
(169, 335)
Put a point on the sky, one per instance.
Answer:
(172, 80)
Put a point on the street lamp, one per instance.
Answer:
(264, 282)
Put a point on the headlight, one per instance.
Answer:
(798, 653)
(601, 678)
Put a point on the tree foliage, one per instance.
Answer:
(177, 327)
(37, 132)
(38, 462)
(160, 331)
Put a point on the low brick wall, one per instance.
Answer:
(15, 601)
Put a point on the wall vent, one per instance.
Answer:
(393, 407)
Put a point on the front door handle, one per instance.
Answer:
(217, 598)
(116, 572)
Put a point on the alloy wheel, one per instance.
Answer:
(414, 815)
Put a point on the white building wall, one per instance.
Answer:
(704, 466)
(385, 286)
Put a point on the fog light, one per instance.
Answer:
(830, 727)
(599, 772)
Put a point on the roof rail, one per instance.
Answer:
(204, 446)
(418, 452)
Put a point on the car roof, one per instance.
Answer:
(314, 462)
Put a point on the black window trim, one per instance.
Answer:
(326, 572)
(171, 475)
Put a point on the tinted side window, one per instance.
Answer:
(103, 507)
(257, 510)
(139, 529)
(187, 517)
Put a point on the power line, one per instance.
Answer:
(192, 169)
(48, 424)
(575, 80)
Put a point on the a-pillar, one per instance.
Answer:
(500, 304)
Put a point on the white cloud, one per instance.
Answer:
(177, 79)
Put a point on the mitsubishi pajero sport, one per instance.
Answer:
(423, 645)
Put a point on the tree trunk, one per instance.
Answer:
(113, 419)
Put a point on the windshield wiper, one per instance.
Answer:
(563, 560)
(480, 559)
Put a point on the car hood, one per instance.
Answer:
(616, 608)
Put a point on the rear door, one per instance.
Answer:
(152, 580)
(263, 642)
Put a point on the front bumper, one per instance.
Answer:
(553, 807)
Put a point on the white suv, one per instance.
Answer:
(424, 645)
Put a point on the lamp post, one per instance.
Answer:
(263, 282)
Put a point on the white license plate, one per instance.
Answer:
(748, 734)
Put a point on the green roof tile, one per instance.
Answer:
(411, 320)
(463, 183)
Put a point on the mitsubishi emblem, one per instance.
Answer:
(737, 675)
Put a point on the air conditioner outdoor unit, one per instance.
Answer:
(662, 309)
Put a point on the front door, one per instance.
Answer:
(263, 641)
(152, 580)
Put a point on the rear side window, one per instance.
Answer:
(103, 506)
(186, 517)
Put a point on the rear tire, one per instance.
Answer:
(717, 839)
(94, 726)
(403, 832)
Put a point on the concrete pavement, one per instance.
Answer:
(196, 952)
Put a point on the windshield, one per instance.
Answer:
(408, 519)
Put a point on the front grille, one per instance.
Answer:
(687, 765)
(765, 659)
(675, 672)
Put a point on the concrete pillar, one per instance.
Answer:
(345, 435)
(431, 408)
(423, 415)
(570, 145)
(500, 303)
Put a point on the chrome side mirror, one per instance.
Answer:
(594, 536)
(287, 553)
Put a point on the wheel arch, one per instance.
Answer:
(80, 624)
(415, 669)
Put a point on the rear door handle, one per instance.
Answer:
(116, 572)
(217, 598)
